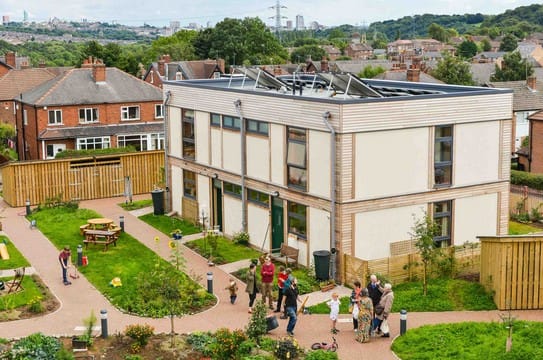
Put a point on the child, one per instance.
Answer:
(233, 288)
(334, 311)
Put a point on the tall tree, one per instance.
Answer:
(452, 70)
(467, 49)
(513, 68)
(179, 46)
(302, 53)
(438, 32)
(508, 43)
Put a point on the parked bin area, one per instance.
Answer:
(322, 264)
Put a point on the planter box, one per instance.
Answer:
(325, 288)
(78, 345)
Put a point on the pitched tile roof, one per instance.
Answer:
(16, 82)
(100, 130)
(524, 98)
(77, 86)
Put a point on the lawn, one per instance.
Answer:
(135, 205)
(127, 261)
(443, 295)
(226, 250)
(471, 341)
(516, 228)
(167, 224)
(16, 259)
(31, 292)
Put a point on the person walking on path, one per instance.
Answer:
(365, 317)
(267, 272)
(355, 299)
(291, 305)
(233, 288)
(64, 259)
(382, 315)
(333, 304)
(252, 286)
(282, 275)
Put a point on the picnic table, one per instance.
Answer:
(104, 237)
(99, 223)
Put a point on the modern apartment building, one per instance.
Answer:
(347, 167)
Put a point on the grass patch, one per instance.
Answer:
(20, 298)
(16, 259)
(516, 228)
(135, 205)
(128, 260)
(226, 252)
(167, 224)
(443, 295)
(471, 340)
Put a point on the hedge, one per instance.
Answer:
(533, 181)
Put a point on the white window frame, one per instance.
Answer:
(105, 140)
(57, 113)
(88, 113)
(125, 113)
(159, 111)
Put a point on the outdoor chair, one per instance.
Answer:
(15, 284)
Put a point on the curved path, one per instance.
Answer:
(80, 298)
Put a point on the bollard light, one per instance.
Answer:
(27, 204)
(103, 319)
(121, 222)
(210, 282)
(79, 255)
(403, 321)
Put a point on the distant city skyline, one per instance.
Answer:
(161, 12)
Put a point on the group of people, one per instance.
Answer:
(371, 307)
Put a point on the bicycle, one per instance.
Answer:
(333, 346)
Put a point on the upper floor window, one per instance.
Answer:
(88, 115)
(297, 158)
(189, 184)
(189, 146)
(230, 122)
(93, 143)
(215, 120)
(443, 150)
(130, 113)
(257, 127)
(55, 117)
(297, 219)
(159, 111)
(442, 213)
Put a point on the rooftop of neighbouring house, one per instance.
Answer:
(327, 86)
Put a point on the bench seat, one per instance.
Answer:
(286, 254)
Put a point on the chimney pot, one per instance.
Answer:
(161, 67)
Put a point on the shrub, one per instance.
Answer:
(286, 348)
(35, 346)
(35, 305)
(199, 340)
(257, 326)
(139, 333)
(241, 238)
(321, 355)
(226, 343)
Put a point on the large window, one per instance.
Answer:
(229, 122)
(189, 147)
(55, 117)
(189, 184)
(130, 113)
(297, 223)
(297, 158)
(442, 217)
(141, 142)
(215, 120)
(93, 143)
(88, 115)
(443, 150)
(159, 111)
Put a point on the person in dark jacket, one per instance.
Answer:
(375, 290)
(291, 305)
(252, 286)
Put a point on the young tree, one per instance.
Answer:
(452, 70)
(371, 71)
(513, 68)
(424, 232)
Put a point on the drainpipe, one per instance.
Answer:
(325, 117)
(237, 104)
(166, 146)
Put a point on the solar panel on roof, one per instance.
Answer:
(264, 78)
(349, 84)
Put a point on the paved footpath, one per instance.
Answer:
(79, 299)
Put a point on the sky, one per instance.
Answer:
(326, 12)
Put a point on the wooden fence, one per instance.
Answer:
(524, 199)
(512, 268)
(403, 268)
(81, 178)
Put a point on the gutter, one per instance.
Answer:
(243, 140)
(333, 242)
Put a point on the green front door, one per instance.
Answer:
(217, 204)
(277, 223)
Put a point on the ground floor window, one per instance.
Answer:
(442, 213)
(297, 222)
(189, 184)
(141, 142)
(93, 143)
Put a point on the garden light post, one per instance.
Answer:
(103, 319)
(79, 255)
(210, 282)
(403, 321)
(27, 204)
(121, 222)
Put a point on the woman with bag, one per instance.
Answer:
(353, 307)
(382, 310)
(365, 316)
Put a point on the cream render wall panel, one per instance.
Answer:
(203, 187)
(476, 153)
(176, 189)
(232, 215)
(258, 226)
(319, 163)
(258, 158)
(303, 254)
(475, 216)
(375, 230)
(174, 140)
(231, 151)
(201, 136)
(277, 153)
(319, 231)
(416, 111)
(216, 147)
(391, 163)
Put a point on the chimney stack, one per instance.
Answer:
(42, 64)
(87, 63)
(277, 70)
(10, 59)
(413, 75)
(25, 65)
(99, 71)
(161, 63)
(324, 64)
(531, 81)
